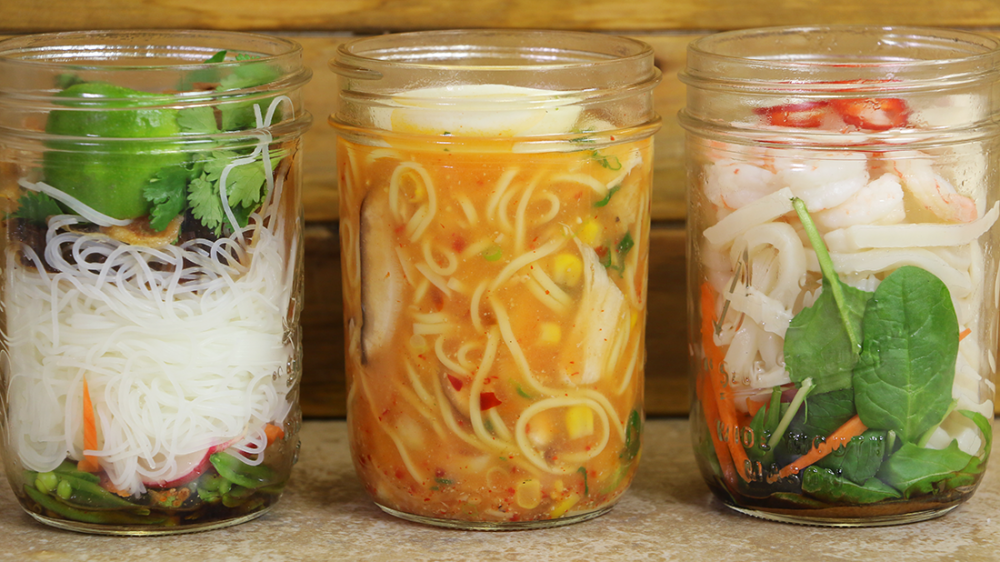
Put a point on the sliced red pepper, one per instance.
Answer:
(455, 382)
(873, 114)
(805, 115)
(488, 400)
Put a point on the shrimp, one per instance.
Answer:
(933, 192)
(730, 184)
(823, 180)
(879, 202)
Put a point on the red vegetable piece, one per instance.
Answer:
(488, 400)
(455, 382)
(873, 114)
(806, 115)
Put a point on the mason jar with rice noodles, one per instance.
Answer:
(842, 269)
(152, 276)
(494, 223)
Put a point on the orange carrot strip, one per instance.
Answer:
(727, 410)
(89, 462)
(964, 333)
(273, 433)
(839, 438)
(711, 410)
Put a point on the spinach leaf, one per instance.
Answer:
(915, 470)
(970, 474)
(860, 459)
(826, 485)
(906, 370)
(822, 341)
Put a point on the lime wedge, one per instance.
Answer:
(109, 176)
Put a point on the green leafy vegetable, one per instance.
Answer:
(914, 470)
(904, 378)
(822, 340)
(244, 189)
(971, 472)
(167, 191)
(198, 120)
(625, 245)
(217, 57)
(860, 459)
(36, 207)
(824, 413)
(824, 484)
(607, 198)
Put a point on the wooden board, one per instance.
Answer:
(384, 15)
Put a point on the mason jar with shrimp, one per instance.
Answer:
(494, 231)
(842, 269)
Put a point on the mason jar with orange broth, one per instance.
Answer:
(495, 193)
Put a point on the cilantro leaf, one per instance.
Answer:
(36, 207)
(197, 120)
(244, 184)
(167, 191)
(203, 195)
(218, 57)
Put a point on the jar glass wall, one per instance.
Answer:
(152, 276)
(495, 193)
(842, 269)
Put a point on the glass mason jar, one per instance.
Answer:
(495, 194)
(152, 276)
(842, 269)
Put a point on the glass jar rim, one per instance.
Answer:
(53, 49)
(814, 58)
(452, 50)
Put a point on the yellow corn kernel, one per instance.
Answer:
(562, 507)
(589, 232)
(550, 333)
(529, 494)
(579, 422)
(558, 487)
(567, 270)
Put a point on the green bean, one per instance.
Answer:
(88, 494)
(98, 517)
(238, 472)
(69, 468)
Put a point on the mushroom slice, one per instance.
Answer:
(382, 278)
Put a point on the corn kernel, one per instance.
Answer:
(529, 494)
(579, 422)
(562, 507)
(567, 270)
(590, 232)
(550, 333)
(558, 486)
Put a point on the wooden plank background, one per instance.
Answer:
(321, 25)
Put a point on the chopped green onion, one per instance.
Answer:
(610, 162)
(493, 253)
(607, 197)
(625, 245)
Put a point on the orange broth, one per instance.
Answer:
(495, 309)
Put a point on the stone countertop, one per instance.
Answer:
(668, 514)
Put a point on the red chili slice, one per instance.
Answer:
(873, 114)
(488, 400)
(806, 115)
(455, 382)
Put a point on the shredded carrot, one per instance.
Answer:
(839, 438)
(964, 333)
(712, 417)
(273, 432)
(726, 408)
(89, 462)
